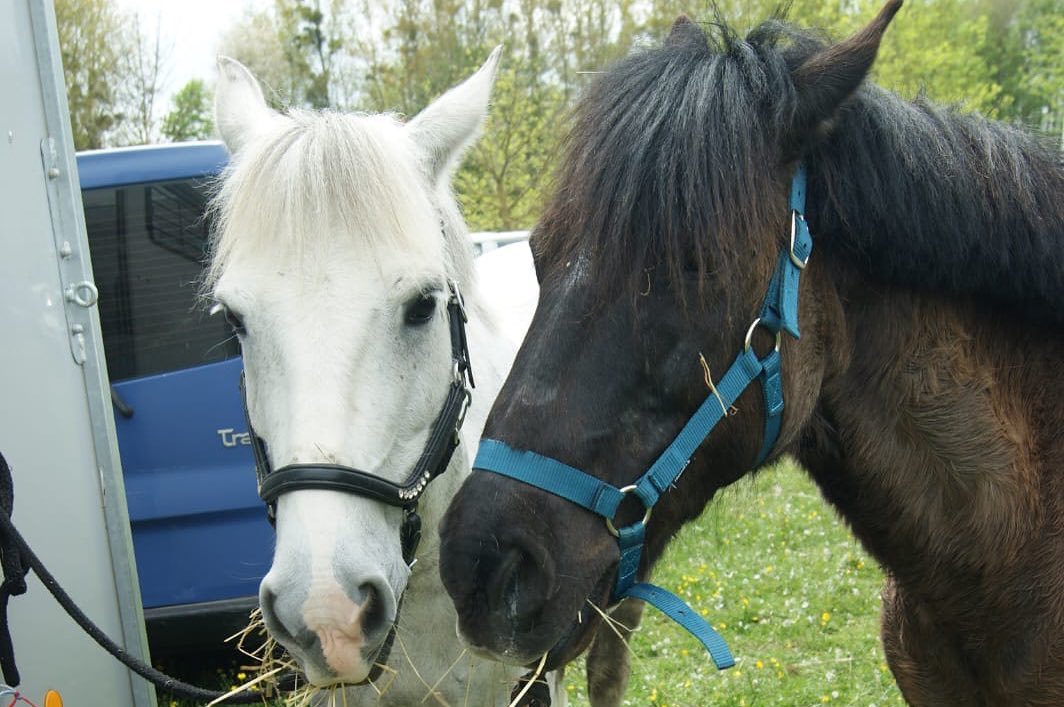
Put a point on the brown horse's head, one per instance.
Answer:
(655, 251)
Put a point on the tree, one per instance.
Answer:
(310, 47)
(295, 51)
(1000, 57)
(190, 117)
(145, 68)
(92, 45)
(254, 42)
(940, 49)
(113, 71)
(1039, 89)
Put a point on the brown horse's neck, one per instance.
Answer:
(935, 439)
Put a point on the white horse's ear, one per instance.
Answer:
(452, 122)
(239, 106)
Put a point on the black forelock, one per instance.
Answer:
(672, 147)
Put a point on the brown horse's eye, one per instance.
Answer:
(420, 310)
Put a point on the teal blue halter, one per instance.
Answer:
(779, 313)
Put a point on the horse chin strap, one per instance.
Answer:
(779, 313)
(443, 440)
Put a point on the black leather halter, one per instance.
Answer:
(443, 440)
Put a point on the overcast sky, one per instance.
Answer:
(192, 29)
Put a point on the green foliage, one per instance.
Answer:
(1004, 58)
(92, 43)
(941, 48)
(951, 51)
(308, 48)
(1039, 83)
(999, 57)
(113, 71)
(190, 117)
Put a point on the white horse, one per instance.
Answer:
(337, 244)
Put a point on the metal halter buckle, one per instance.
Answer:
(798, 262)
(609, 521)
(466, 402)
(456, 294)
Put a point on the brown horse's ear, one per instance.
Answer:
(830, 76)
(686, 31)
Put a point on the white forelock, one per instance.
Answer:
(310, 175)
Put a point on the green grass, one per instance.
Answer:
(771, 566)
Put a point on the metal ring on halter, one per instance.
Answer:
(750, 334)
(798, 262)
(609, 521)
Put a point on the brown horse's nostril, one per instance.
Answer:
(520, 584)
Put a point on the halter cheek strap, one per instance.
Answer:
(443, 440)
(779, 313)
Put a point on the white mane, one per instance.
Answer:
(359, 167)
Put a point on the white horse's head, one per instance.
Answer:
(337, 240)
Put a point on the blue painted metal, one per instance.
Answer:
(150, 163)
(199, 529)
(200, 532)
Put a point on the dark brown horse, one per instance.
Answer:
(924, 395)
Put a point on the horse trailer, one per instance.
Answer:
(56, 430)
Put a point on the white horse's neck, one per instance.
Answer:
(500, 304)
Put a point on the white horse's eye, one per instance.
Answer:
(420, 310)
(233, 319)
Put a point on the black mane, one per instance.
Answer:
(927, 198)
(678, 160)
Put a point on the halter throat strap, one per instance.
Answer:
(779, 313)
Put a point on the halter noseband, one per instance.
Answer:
(443, 440)
(779, 312)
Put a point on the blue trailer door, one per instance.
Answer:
(199, 530)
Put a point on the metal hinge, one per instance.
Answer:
(79, 292)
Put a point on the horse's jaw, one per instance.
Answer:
(572, 640)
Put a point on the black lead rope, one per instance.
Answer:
(18, 559)
(14, 584)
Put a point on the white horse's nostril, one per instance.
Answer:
(375, 618)
(271, 617)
